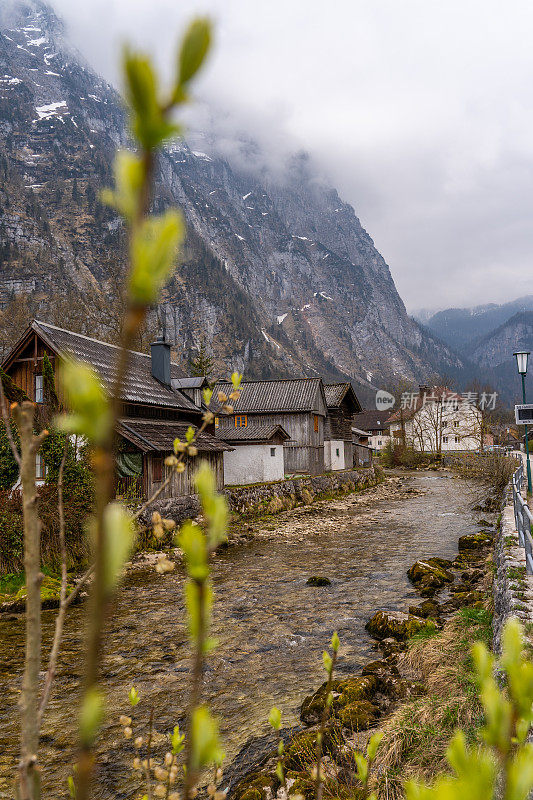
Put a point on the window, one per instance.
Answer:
(457, 440)
(39, 389)
(40, 468)
(337, 452)
(217, 422)
(316, 423)
(157, 469)
(445, 439)
(456, 424)
(380, 442)
(241, 421)
(272, 451)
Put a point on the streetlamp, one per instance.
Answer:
(521, 363)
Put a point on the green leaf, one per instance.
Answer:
(119, 541)
(91, 716)
(214, 505)
(90, 410)
(71, 787)
(207, 395)
(177, 740)
(362, 767)
(520, 774)
(373, 744)
(335, 642)
(148, 119)
(274, 719)
(205, 743)
(328, 663)
(129, 172)
(192, 600)
(236, 379)
(153, 252)
(279, 772)
(194, 49)
(133, 697)
(189, 436)
(193, 543)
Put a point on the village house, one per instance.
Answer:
(342, 404)
(375, 423)
(258, 454)
(296, 405)
(154, 409)
(436, 420)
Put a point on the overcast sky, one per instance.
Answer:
(420, 112)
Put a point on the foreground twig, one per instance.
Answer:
(7, 424)
(29, 700)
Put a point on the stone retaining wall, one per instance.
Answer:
(512, 588)
(268, 498)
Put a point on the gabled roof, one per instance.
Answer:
(275, 396)
(158, 435)
(372, 420)
(251, 433)
(336, 393)
(139, 387)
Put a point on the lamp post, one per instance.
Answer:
(521, 363)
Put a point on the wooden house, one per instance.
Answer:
(376, 424)
(258, 454)
(297, 405)
(342, 405)
(154, 410)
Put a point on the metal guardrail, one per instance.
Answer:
(523, 518)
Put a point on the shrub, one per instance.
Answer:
(399, 455)
(9, 470)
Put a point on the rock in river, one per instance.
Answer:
(396, 624)
(318, 580)
(430, 575)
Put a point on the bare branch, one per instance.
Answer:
(7, 423)
(60, 619)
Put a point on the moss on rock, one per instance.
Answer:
(395, 624)
(359, 715)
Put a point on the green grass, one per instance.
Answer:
(11, 582)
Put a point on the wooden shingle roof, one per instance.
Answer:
(251, 433)
(337, 392)
(275, 396)
(158, 435)
(139, 386)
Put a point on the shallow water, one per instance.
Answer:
(271, 627)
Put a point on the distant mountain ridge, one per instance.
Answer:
(460, 328)
(278, 274)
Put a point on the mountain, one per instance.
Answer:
(460, 328)
(277, 274)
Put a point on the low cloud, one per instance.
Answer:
(418, 112)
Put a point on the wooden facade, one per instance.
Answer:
(152, 414)
(303, 418)
(342, 405)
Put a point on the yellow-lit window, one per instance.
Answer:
(316, 423)
(241, 421)
(217, 422)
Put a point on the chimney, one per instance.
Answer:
(160, 353)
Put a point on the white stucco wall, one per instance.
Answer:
(332, 461)
(253, 463)
(378, 441)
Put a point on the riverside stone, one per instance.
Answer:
(475, 541)
(359, 715)
(318, 580)
(395, 624)
(430, 575)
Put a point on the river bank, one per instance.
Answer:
(418, 692)
(270, 625)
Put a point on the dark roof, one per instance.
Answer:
(337, 392)
(139, 387)
(273, 396)
(372, 420)
(251, 433)
(158, 435)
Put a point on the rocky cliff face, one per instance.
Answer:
(278, 273)
(499, 345)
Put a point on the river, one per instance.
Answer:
(270, 626)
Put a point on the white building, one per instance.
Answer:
(258, 454)
(438, 420)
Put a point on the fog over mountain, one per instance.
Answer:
(278, 273)
(416, 111)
